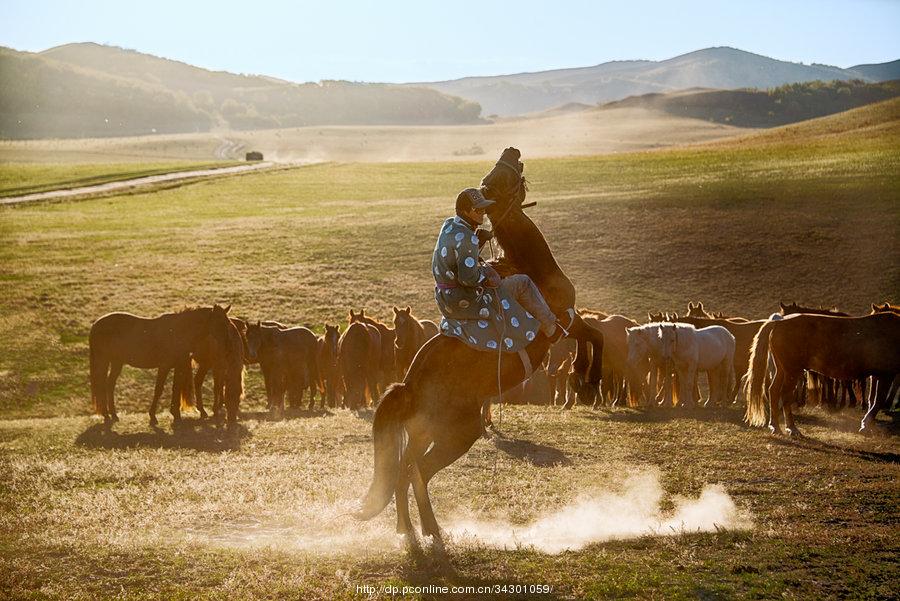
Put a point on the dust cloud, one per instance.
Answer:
(632, 512)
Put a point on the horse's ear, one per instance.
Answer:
(362, 312)
(227, 309)
(396, 310)
(408, 309)
(352, 315)
(782, 305)
(258, 324)
(700, 306)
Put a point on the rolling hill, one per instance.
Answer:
(89, 90)
(721, 68)
(785, 104)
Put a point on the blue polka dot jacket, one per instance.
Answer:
(483, 318)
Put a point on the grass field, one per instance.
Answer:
(586, 133)
(257, 513)
(27, 178)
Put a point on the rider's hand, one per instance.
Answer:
(483, 236)
(491, 277)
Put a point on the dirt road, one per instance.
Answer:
(131, 183)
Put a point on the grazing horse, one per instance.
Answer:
(410, 335)
(843, 348)
(438, 404)
(163, 342)
(331, 386)
(288, 359)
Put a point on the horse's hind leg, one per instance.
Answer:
(452, 443)
(877, 397)
(414, 450)
(161, 375)
(114, 372)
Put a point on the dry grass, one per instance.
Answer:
(259, 513)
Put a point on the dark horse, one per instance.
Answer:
(163, 343)
(439, 402)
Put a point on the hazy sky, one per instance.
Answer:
(427, 40)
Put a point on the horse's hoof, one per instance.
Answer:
(153, 421)
(794, 432)
(203, 414)
(775, 431)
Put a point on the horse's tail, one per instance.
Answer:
(98, 380)
(755, 414)
(184, 376)
(387, 430)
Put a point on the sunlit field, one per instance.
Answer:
(261, 512)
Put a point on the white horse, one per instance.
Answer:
(681, 348)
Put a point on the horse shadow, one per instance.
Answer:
(657, 414)
(192, 434)
(536, 454)
(289, 413)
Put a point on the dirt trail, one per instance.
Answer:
(131, 183)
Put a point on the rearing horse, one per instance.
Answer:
(439, 402)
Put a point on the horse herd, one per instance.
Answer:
(843, 358)
(346, 369)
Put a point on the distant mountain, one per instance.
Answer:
(722, 68)
(89, 90)
(785, 104)
(880, 71)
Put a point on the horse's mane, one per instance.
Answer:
(795, 308)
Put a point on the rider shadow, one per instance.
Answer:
(190, 434)
(536, 454)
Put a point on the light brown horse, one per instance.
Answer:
(410, 334)
(439, 402)
(165, 342)
(844, 348)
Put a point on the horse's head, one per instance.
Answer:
(668, 339)
(332, 338)
(652, 317)
(636, 342)
(219, 325)
(402, 319)
(254, 340)
(696, 310)
(357, 317)
(505, 185)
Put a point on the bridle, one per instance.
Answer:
(511, 193)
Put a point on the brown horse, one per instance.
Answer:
(885, 308)
(331, 385)
(219, 359)
(439, 402)
(697, 310)
(387, 370)
(359, 352)
(163, 342)
(288, 359)
(559, 360)
(844, 348)
(410, 334)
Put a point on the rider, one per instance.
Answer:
(478, 306)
